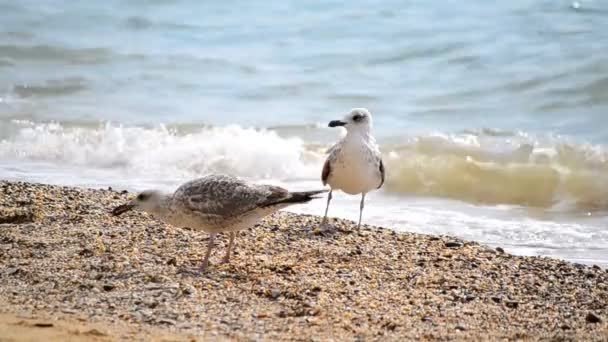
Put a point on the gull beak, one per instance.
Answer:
(336, 123)
(121, 209)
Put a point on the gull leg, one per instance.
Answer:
(227, 256)
(361, 210)
(326, 208)
(205, 263)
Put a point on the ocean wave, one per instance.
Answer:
(5, 62)
(15, 34)
(516, 171)
(137, 22)
(162, 151)
(55, 54)
(405, 54)
(58, 87)
(486, 166)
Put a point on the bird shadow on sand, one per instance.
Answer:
(313, 230)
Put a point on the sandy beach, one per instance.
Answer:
(69, 270)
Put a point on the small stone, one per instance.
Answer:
(167, 321)
(317, 231)
(86, 252)
(151, 303)
(593, 318)
(94, 332)
(314, 312)
(43, 325)
(275, 293)
(453, 244)
(14, 271)
(390, 326)
(17, 218)
(500, 250)
(188, 289)
(172, 261)
(108, 287)
(496, 299)
(159, 279)
(461, 327)
(186, 326)
(512, 304)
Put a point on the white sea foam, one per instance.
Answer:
(487, 169)
(160, 151)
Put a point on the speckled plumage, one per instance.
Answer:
(217, 204)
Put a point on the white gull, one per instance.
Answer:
(354, 164)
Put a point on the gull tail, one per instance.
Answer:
(299, 197)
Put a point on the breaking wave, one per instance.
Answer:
(502, 169)
(163, 151)
(484, 167)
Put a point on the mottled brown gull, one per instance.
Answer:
(354, 164)
(216, 204)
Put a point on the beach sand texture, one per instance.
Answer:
(65, 261)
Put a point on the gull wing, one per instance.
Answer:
(382, 173)
(332, 155)
(333, 148)
(226, 196)
(326, 171)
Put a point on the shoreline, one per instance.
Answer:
(64, 256)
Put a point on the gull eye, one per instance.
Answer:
(357, 117)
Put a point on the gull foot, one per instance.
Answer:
(327, 229)
(204, 266)
(323, 228)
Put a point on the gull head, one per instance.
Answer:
(149, 201)
(358, 120)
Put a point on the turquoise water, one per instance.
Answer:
(491, 116)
